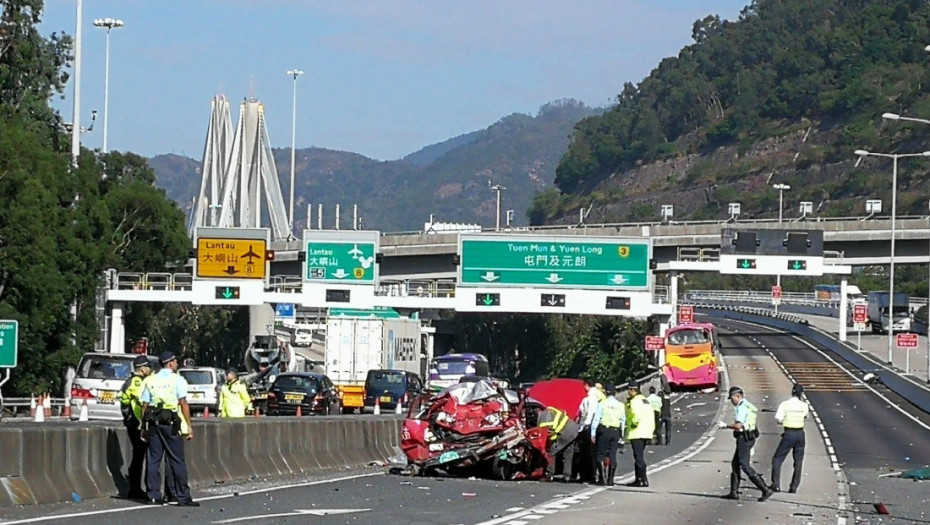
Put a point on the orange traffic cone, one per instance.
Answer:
(377, 406)
(66, 410)
(206, 412)
(47, 405)
(82, 416)
(257, 412)
(300, 412)
(32, 405)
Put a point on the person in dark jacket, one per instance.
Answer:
(665, 420)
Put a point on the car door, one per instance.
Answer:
(332, 399)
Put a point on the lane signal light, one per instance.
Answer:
(746, 264)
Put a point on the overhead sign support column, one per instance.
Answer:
(231, 265)
(340, 268)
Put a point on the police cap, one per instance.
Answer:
(140, 361)
(166, 357)
(735, 390)
(797, 389)
(632, 385)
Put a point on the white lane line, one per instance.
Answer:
(208, 498)
(514, 509)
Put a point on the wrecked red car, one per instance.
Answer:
(477, 428)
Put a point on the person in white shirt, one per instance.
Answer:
(790, 415)
(587, 468)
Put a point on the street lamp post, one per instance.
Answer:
(894, 197)
(108, 24)
(294, 73)
(782, 188)
(498, 188)
(76, 118)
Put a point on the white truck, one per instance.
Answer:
(355, 345)
(899, 319)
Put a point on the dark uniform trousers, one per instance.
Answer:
(639, 456)
(608, 439)
(137, 463)
(165, 443)
(664, 428)
(792, 440)
(743, 456)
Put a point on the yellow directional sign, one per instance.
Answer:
(231, 258)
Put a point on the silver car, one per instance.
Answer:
(203, 388)
(98, 381)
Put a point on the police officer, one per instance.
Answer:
(790, 415)
(745, 432)
(131, 406)
(562, 435)
(587, 466)
(665, 420)
(609, 419)
(640, 426)
(167, 416)
(656, 403)
(234, 396)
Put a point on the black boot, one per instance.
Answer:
(643, 479)
(638, 482)
(760, 484)
(599, 474)
(734, 488)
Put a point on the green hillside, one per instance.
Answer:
(786, 94)
(448, 180)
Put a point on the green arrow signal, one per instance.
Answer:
(488, 300)
(797, 265)
(745, 263)
(227, 293)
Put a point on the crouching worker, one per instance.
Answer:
(563, 432)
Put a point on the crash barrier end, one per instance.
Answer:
(47, 464)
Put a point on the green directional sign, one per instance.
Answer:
(9, 343)
(797, 265)
(746, 264)
(346, 257)
(544, 262)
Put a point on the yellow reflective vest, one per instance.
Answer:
(234, 399)
(553, 419)
(132, 395)
(640, 418)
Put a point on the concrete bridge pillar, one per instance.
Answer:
(117, 330)
(261, 321)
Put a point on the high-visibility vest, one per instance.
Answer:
(751, 417)
(557, 423)
(131, 395)
(640, 418)
(612, 412)
(655, 402)
(164, 390)
(234, 399)
(792, 413)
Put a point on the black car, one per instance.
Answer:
(314, 393)
(390, 387)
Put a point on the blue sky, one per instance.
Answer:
(383, 78)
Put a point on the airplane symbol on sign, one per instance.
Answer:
(251, 255)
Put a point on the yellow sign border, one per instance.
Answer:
(250, 264)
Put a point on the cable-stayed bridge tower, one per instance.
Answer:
(240, 169)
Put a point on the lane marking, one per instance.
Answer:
(208, 498)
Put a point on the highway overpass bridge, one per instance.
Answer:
(420, 256)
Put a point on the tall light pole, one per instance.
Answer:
(498, 188)
(894, 116)
(782, 188)
(894, 197)
(294, 73)
(76, 118)
(108, 24)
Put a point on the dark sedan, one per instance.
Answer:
(313, 393)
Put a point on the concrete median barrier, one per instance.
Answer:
(46, 463)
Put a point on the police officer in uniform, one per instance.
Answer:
(609, 420)
(656, 403)
(234, 396)
(640, 426)
(167, 415)
(790, 415)
(131, 406)
(745, 432)
(563, 432)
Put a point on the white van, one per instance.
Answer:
(98, 381)
(203, 388)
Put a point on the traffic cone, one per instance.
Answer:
(397, 408)
(47, 405)
(66, 410)
(206, 412)
(40, 411)
(377, 406)
(82, 416)
(257, 412)
(300, 412)
(32, 406)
